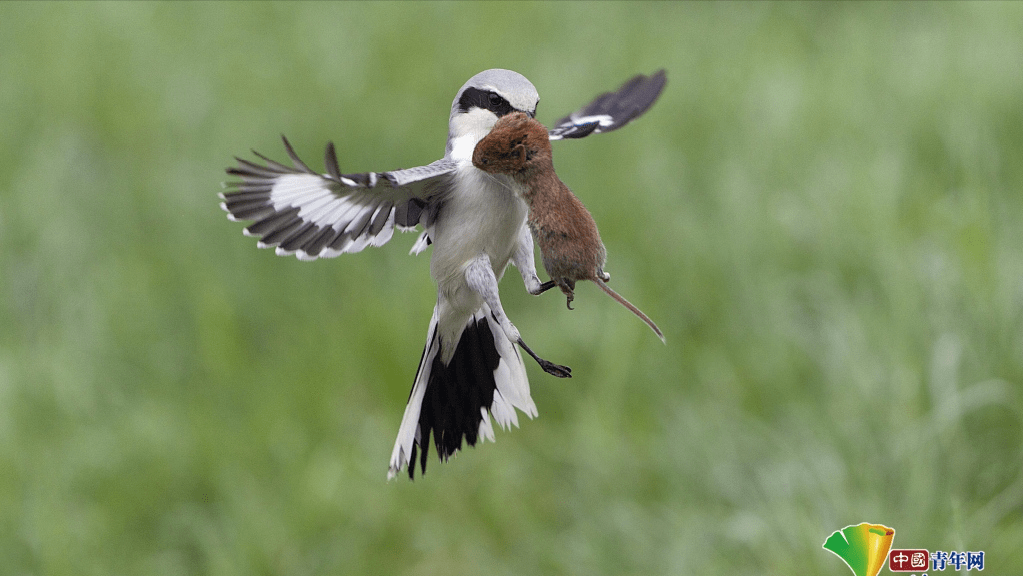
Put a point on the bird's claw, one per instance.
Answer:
(556, 369)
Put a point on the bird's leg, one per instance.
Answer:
(545, 287)
(479, 275)
(548, 366)
(523, 260)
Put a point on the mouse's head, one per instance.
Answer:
(515, 144)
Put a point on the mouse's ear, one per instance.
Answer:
(520, 151)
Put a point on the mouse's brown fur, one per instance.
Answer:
(570, 245)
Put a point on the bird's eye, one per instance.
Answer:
(495, 103)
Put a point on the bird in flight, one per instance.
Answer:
(471, 368)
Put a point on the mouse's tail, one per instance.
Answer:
(631, 308)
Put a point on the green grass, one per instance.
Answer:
(823, 212)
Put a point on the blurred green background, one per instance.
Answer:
(823, 212)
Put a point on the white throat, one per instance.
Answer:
(466, 130)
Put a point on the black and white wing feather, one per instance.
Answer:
(312, 215)
(611, 110)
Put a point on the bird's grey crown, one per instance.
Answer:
(514, 88)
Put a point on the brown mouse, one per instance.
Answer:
(570, 246)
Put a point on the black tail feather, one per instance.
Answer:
(456, 395)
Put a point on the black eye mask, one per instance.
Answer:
(485, 99)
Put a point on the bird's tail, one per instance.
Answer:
(458, 389)
(631, 308)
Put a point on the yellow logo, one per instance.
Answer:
(863, 547)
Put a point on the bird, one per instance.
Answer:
(470, 369)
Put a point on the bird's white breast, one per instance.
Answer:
(483, 215)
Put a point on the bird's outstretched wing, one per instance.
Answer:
(315, 215)
(611, 110)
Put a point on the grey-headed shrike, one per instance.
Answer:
(470, 369)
